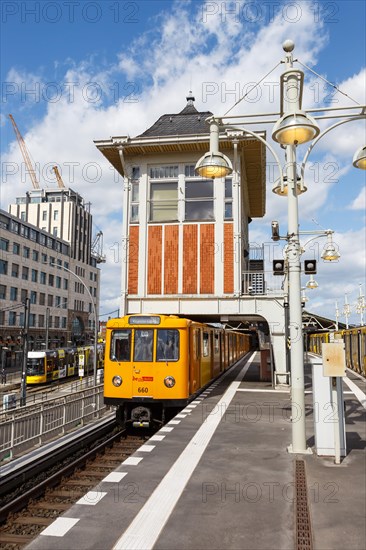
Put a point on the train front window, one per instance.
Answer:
(121, 345)
(143, 350)
(35, 366)
(167, 346)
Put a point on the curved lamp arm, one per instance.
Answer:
(351, 119)
(256, 136)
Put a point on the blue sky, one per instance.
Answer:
(73, 72)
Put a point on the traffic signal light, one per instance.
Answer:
(278, 267)
(310, 267)
(275, 231)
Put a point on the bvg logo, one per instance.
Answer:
(142, 379)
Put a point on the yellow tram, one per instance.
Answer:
(158, 362)
(49, 365)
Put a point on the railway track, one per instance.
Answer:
(27, 514)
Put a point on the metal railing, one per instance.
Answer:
(256, 283)
(36, 424)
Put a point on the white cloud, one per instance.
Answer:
(359, 203)
(218, 54)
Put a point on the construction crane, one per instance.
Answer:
(25, 154)
(97, 248)
(60, 182)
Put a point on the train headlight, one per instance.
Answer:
(169, 381)
(117, 381)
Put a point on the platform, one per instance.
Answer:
(218, 476)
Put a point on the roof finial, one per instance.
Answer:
(190, 98)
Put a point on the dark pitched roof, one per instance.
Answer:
(188, 121)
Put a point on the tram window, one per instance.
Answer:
(121, 345)
(167, 347)
(143, 345)
(35, 366)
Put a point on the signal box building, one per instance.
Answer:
(186, 238)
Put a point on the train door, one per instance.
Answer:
(216, 360)
(363, 351)
(142, 373)
(194, 358)
(348, 346)
(205, 358)
(355, 336)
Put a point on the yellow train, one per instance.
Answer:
(355, 346)
(47, 366)
(155, 364)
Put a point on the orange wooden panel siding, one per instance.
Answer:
(171, 236)
(154, 260)
(133, 259)
(190, 259)
(207, 259)
(228, 258)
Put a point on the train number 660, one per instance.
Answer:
(142, 390)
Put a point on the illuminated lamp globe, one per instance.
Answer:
(312, 283)
(295, 128)
(213, 165)
(330, 254)
(359, 160)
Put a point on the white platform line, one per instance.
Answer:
(145, 529)
(114, 477)
(91, 498)
(132, 460)
(157, 438)
(59, 527)
(167, 428)
(145, 448)
(356, 374)
(171, 422)
(356, 390)
(262, 390)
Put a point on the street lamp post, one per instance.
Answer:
(294, 127)
(361, 306)
(346, 309)
(23, 384)
(95, 319)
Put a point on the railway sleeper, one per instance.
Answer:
(33, 520)
(72, 494)
(21, 540)
(80, 482)
(49, 505)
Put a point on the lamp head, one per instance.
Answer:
(300, 187)
(330, 253)
(359, 160)
(312, 283)
(295, 128)
(213, 165)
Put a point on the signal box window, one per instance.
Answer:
(228, 199)
(167, 348)
(134, 218)
(199, 200)
(143, 345)
(121, 345)
(163, 201)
